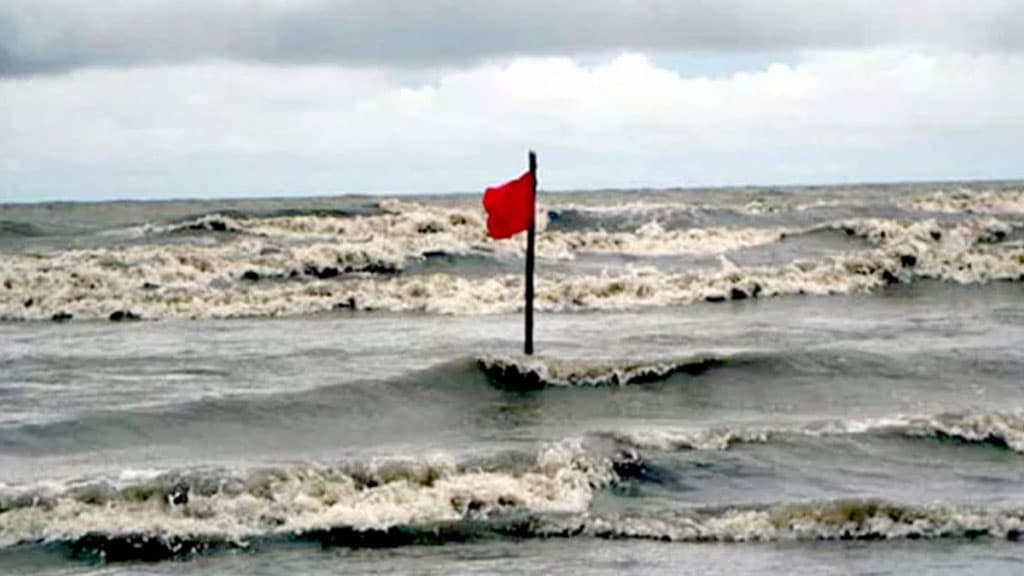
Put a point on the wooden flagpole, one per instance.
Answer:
(530, 236)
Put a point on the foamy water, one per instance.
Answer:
(307, 264)
(313, 383)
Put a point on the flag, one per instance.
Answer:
(509, 207)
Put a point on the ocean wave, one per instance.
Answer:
(339, 406)
(532, 373)
(996, 429)
(412, 229)
(651, 239)
(570, 216)
(838, 520)
(680, 208)
(394, 218)
(13, 229)
(833, 520)
(183, 511)
(970, 201)
(710, 439)
(172, 526)
(152, 514)
(250, 278)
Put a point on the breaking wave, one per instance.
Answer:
(970, 201)
(529, 373)
(172, 513)
(550, 493)
(309, 264)
(413, 229)
(834, 520)
(999, 429)
(712, 439)
(154, 515)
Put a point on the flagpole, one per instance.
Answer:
(530, 235)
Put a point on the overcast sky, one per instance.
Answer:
(189, 98)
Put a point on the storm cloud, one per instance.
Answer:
(171, 98)
(49, 36)
(232, 129)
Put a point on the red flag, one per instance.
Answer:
(509, 207)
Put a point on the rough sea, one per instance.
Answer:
(817, 380)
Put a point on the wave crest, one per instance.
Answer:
(970, 201)
(715, 439)
(997, 429)
(1004, 430)
(219, 508)
(528, 373)
(248, 277)
(836, 520)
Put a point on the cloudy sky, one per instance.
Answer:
(203, 98)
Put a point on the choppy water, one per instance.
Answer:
(799, 381)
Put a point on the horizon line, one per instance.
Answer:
(431, 195)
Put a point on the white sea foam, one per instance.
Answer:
(997, 428)
(410, 229)
(869, 425)
(837, 520)
(644, 208)
(1000, 428)
(713, 439)
(533, 372)
(969, 201)
(303, 498)
(651, 240)
(161, 281)
(555, 491)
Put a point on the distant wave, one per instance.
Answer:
(311, 264)
(384, 218)
(970, 201)
(412, 229)
(11, 229)
(236, 220)
(675, 213)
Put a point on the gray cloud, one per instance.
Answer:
(43, 36)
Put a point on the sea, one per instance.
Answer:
(798, 380)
